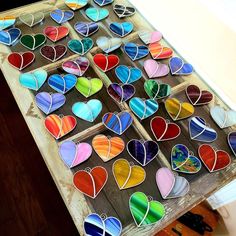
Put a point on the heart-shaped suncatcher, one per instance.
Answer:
(96, 14)
(155, 69)
(21, 60)
(200, 131)
(232, 141)
(74, 154)
(213, 159)
(164, 130)
(121, 92)
(59, 126)
(61, 16)
(143, 108)
(76, 4)
(128, 75)
(88, 87)
(56, 33)
(144, 210)
(86, 28)
(178, 110)
(127, 175)
(87, 111)
(107, 148)
(7, 21)
(184, 161)
(80, 47)
(121, 29)
(77, 66)
(102, 3)
(158, 51)
(32, 41)
(171, 185)
(117, 122)
(123, 11)
(197, 96)
(179, 67)
(135, 51)
(10, 36)
(32, 19)
(149, 36)
(142, 151)
(108, 44)
(90, 181)
(53, 53)
(106, 62)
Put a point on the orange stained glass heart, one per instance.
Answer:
(158, 51)
(127, 175)
(178, 110)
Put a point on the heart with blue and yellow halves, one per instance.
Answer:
(128, 75)
(102, 3)
(87, 111)
(102, 225)
(80, 47)
(96, 14)
(184, 161)
(145, 210)
(156, 90)
(135, 51)
(33, 80)
(10, 36)
(61, 16)
(121, 29)
(76, 4)
(62, 83)
(143, 108)
(178, 110)
(7, 21)
(179, 67)
(117, 122)
(200, 131)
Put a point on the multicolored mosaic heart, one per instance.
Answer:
(121, 29)
(155, 69)
(102, 3)
(32, 41)
(48, 103)
(59, 126)
(108, 44)
(32, 19)
(200, 131)
(178, 110)
(123, 11)
(53, 53)
(164, 130)
(171, 185)
(87, 111)
(61, 16)
(76, 4)
(156, 90)
(213, 159)
(121, 92)
(223, 118)
(117, 122)
(95, 225)
(179, 67)
(142, 151)
(128, 75)
(77, 66)
(144, 210)
(127, 175)
(96, 14)
(56, 33)
(106, 62)
(184, 161)
(74, 154)
(86, 28)
(158, 51)
(10, 36)
(148, 36)
(90, 181)
(7, 21)
(197, 96)
(88, 87)
(62, 83)
(143, 108)
(232, 141)
(33, 80)
(20, 60)
(80, 47)
(135, 51)
(107, 147)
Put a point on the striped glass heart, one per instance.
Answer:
(135, 51)
(10, 36)
(128, 75)
(121, 29)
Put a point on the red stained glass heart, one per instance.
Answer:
(56, 33)
(214, 160)
(106, 62)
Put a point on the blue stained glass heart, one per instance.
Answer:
(10, 36)
(102, 3)
(232, 141)
(121, 29)
(86, 28)
(127, 74)
(136, 52)
(178, 67)
(96, 14)
(61, 16)
(6, 22)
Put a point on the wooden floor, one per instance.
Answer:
(30, 203)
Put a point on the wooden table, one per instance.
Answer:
(111, 200)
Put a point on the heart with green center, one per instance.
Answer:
(32, 41)
(144, 210)
(88, 87)
(155, 90)
(80, 47)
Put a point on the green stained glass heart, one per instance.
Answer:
(155, 90)
(33, 41)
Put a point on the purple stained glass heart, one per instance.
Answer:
(142, 151)
(86, 28)
(77, 66)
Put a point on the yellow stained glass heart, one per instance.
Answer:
(126, 175)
